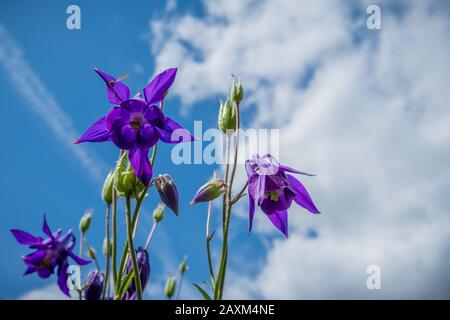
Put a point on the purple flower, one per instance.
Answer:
(94, 285)
(49, 253)
(167, 191)
(137, 124)
(144, 271)
(274, 190)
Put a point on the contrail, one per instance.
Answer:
(27, 83)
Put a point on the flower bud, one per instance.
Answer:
(237, 91)
(210, 191)
(158, 213)
(92, 253)
(125, 181)
(85, 221)
(107, 251)
(167, 191)
(108, 188)
(227, 117)
(94, 285)
(144, 271)
(183, 266)
(169, 289)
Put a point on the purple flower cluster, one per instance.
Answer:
(136, 124)
(49, 253)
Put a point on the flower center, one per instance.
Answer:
(273, 195)
(136, 120)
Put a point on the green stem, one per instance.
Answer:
(218, 292)
(108, 253)
(227, 168)
(114, 244)
(208, 245)
(137, 278)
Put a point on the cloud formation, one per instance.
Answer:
(41, 101)
(366, 110)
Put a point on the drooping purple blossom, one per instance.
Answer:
(167, 191)
(137, 124)
(94, 285)
(273, 189)
(50, 253)
(143, 263)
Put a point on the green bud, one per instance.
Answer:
(210, 191)
(169, 290)
(107, 252)
(237, 91)
(108, 188)
(183, 266)
(85, 221)
(92, 253)
(125, 181)
(158, 213)
(121, 167)
(227, 117)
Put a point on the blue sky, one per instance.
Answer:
(367, 110)
(43, 174)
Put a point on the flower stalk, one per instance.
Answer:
(137, 278)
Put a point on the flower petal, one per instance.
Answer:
(44, 273)
(251, 212)
(35, 258)
(287, 169)
(148, 136)
(116, 91)
(62, 278)
(155, 90)
(141, 165)
(30, 269)
(25, 238)
(155, 116)
(134, 105)
(256, 187)
(302, 197)
(96, 133)
(280, 220)
(46, 229)
(124, 137)
(77, 259)
(174, 133)
(116, 118)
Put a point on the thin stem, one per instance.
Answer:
(137, 278)
(134, 221)
(81, 244)
(114, 244)
(180, 286)
(218, 292)
(236, 198)
(208, 241)
(108, 253)
(227, 169)
(150, 235)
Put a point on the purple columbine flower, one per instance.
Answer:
(274, 190)
(143, 263)
(137, 124)
(49, 253)
(94, 285)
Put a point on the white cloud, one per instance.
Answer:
(50, 292)
(41, 101)
(366, 110)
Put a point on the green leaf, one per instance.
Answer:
(203, 292)
(125, 283)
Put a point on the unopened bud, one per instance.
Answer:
(210, 191)
(167, 191)
(158, 213)
(237, 91)
(108, 188)
(183, 266)
(227, 117)
(169, 289)
(125, 181)
(107, 250)
(92, 253)
(85, 221)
